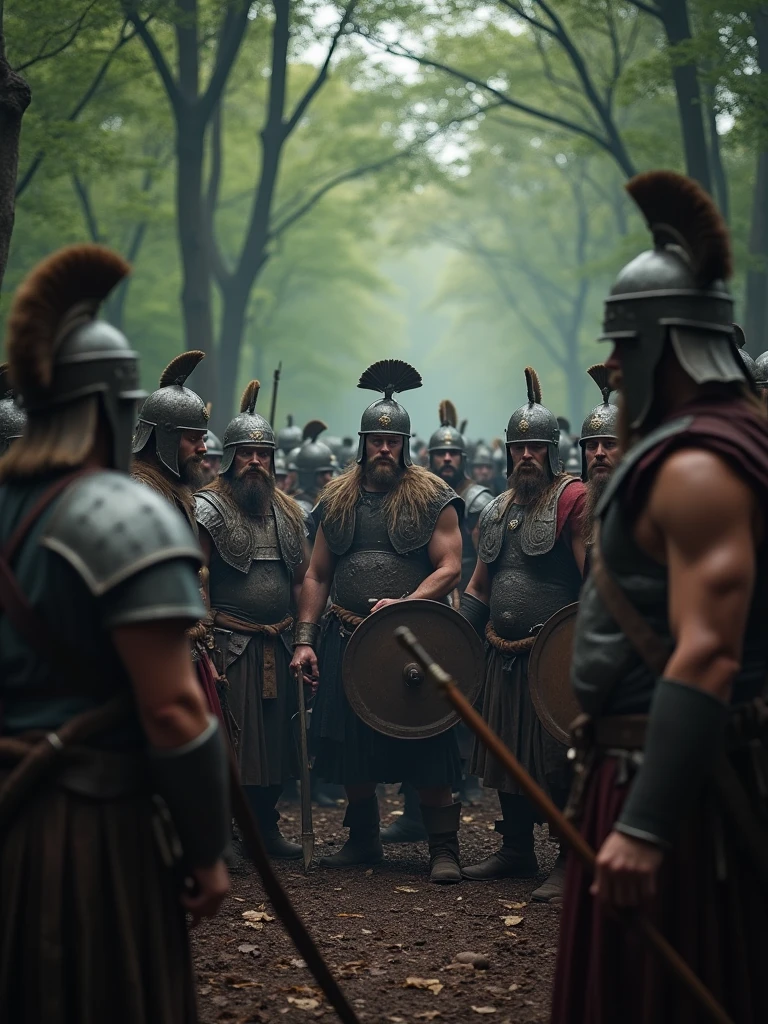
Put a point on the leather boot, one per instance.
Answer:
(442, 825)
(409, 828)
(554, 887)
(364, 844)
(262, 800)
(515, 859)
(470, 790)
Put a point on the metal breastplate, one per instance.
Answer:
(262, 595)
(241, 539)
(527, 589)
(371, 567)
(608, 675)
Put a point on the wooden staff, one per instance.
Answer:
(566, 831)
(275, 385)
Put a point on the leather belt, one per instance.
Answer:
(223, 620)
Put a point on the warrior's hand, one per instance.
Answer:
(305, 660)
(625, 871)
(384, 602)
(211, 887)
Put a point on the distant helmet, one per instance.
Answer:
(674, 294)
(313, 457)
(603, 421)
(762, 371)
(750, 366)
(248, 427)
(347, 453)
(290, 459)
(289, 436)
(12, 417)
(171, 410)
(213, 444)
(58, 352)
(281, 467)
(447, 437)
(573, 464)
(390, 376)
(483, 456)
(534, 423)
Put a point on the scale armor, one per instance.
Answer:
(390, 376)
(171, 409)
(603, 421)
(534, 423)
(248, 427)
(12, 417)
(675, 293)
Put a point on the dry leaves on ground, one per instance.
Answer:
(405, 888)
(432, 985)
(484, 1009)
(255, 918)
(304, 1004)
(513, 921)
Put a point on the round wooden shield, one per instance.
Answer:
(549, 674)
(388, 690)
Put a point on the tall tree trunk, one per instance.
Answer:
(719, 175)
(15, 96)
(674, 16)
(234, 307)
(756, 312)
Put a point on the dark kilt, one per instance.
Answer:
(349, 752)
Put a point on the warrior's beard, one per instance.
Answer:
(383, 473)
(528, 481)
(451, 474)
(192, 473)
(596, 486)
(253, 490)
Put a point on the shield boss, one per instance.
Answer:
(388, 690)
(549, 674)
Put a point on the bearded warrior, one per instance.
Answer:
(100, 581)
(389, 531)
(254, 537)
(315, 465)
(600, 451)
(670, 657)
(12, 418)
(483, 467)
(448, 460)
(530, 561)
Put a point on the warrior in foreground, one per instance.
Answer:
(254, 537)
(529, 566)
(12, 419)
(389, 531)
(670, 655)
(100, 586)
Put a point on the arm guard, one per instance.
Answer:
(306, 634)
(476, 613)
(193, 780)
(685, 733)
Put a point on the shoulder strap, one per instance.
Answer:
(648, 644)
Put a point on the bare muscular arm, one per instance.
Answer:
(312, 600)
(702, 521)
(300, 572)
(479, 586)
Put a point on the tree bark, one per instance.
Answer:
(15, 97)
(674, 17)
(719, 175)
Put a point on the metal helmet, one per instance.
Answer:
(313, 457)
(290, 459)
(448, 437)
(674, 294)
(281, 467)
(12, 417)
(248, 427)
(58, 352)
(483, 456)
(390, 376)
(289, 437)
(750, 366)
(762, 371)
(534, 423)
(213, 444)
(347, 453)
(573, 465)
(603, 421)
(171, 410)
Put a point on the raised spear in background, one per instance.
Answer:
(275, 384)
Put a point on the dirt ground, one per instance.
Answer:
(377, 929)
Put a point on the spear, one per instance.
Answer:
(275, 384)
(565, 829)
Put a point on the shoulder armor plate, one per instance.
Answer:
(236, 537)
(476, 497)
(539, 532)
(338, 537)
(109, 528)
(409, 534)
(492, 524)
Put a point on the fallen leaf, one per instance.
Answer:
(304, 1004)
(513, 988)
(432, 985)
(350, 915)
(369, 872)
(247, 947)
(484, 1009)
(256, 925)
(248, 984)
(511, 922)
(405, 888)
(397, 1020)
(512, 906)
(256, 916)
(298, 963)
(467, 818)
(239, 899)
(428, 1015)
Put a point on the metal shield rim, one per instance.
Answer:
(541, 708)
(361, 709)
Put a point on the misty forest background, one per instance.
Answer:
(326, 184)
